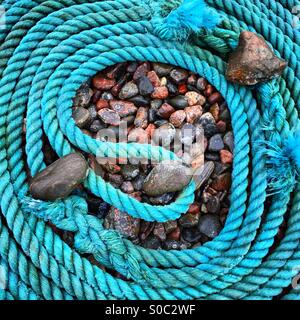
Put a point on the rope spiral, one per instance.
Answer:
(48, 49)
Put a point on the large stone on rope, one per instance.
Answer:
(167, 176)
(253, 61)
(59, 179)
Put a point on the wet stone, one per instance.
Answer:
(160, 93)
(123, 108)
(216, 143)
(177, 118)
(83, 96)
(179, 75)
(189, 220)
(162, 69)
(178, 102)
(208, 124)
(141, 119)
(59, 179)
(82, 117)
(209, 225)
(109, 117)
(194, 98)
(102, 83)
(129, 90)
(191, 235)
(162, 200)
(140, 101)
(145, 86)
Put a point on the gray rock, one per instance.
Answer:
(164, 135)
(59, 179)
(191, 235)
(178, 102)
(129, 90)
(82, 117)
(145, 86)
(162, 200)
(162, 69)
(208, 124)
(216, 143)
(209, 225)
(167, 176)
(202, 174)
(83, 96)
(229, 141)
(189, 220)
(179, 75)
(129, 172)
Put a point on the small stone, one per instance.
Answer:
(175, 245)
(175, 234)
(150, 130)
(216, 143)
(213, 204)
(141, 119)
(138, 135)
(128, 91)
(173, 89)
(194, 98)
(131, 68)
(93, 112)
(129, 172)
(189, 220)
(215, 111)
(116, 71)
(215, 98)
(83, 96)
(102, 83)
(191, 235)
(146, 229)
(253, 61)
(193, 114)
(96, 167)
(182, 88)
(209, 90)
(192, 80)
(103, 210)
(170, 226)
(165, 111)
(208, 124)
(59, 179)
(164, 135)
(162, 69)
(96, 126)
(82, 117)
(152, 243)
(127, 187)
(110, 167)
(202, 174)
(159, 231)
(167, 176)
(154, 79)
(163, 81)
(120, 221)
(188, 134)
(229, 141)
(222, 127)
(109, 117)
(194, 208)
(115, 179)
(140, 101)
(209, 225)
(179, 102)
(107, 96)
(101, 104)
(138, 183)
(177, 118)
(123, 108)
(212, 156)
(226, 156)
(162, 200)
(225, 115)
(160, 93)
(145, 86)
(222, 182)
(201, 84)
(179, 75)
(141, 70)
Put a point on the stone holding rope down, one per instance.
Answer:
(48, 49)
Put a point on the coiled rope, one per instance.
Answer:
(48, 49)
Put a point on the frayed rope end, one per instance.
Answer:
(283, 163)
(190, 17)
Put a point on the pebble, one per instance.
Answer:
(202, 174)
(59, 179)
(145, 86)
(177, 118)
(213, 204)
(96, 126)
(215, 111)
(216, 143)
(120, 221)
(194, 98)
(154, 79)
(141, 119)
(138, 182)
(140, 101)
(193, 114)
(189, 220)
(253, 61)
(160, 93)
(102, 83)
(201, 84)
(162, 200)
(129, 90)
(162, 69)
(141, 70)
(167, 176)
(226, 156)
(170, 226)
(152, 243)
(209, 225)
(173, 89)
(138, 135)
(178, 102)
(175, 234)
(109, 117)
(115, 179)
(215, 98)
(194, 208)
(123, 108)
(165, 111)
(191, 235)
(83, 96)
(179, 75)
(160, 232)
(82, 117)
(164, 135)
(208, 124)
(229, 141)
(127, 187)
(129, 172)
(188, 134)
(175, 245)
(101, 104)
(222, 182)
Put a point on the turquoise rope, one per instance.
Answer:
(47, 50)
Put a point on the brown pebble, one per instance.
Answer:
(165, 111)
(154, 79)
(222, 126)
(215, 111)
(101, 83)
(127, 187)
(215, 98)
(123, 108)
(109, 117)
(160, 93)
(141, 119)
(175, 234)
(101, 104)
(177, 118)
(194, 98)
(222, 182)
(193, 113)
(226, 157)
(138, 135)
(141, 70)
(194, 208)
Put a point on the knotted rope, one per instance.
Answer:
(48, 49)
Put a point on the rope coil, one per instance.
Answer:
(48, 49)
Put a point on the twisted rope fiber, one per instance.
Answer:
(45, 57)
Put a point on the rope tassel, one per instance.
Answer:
(191, 16)
(284, 163)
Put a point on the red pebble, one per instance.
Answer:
(101, 83)
(160, 93)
